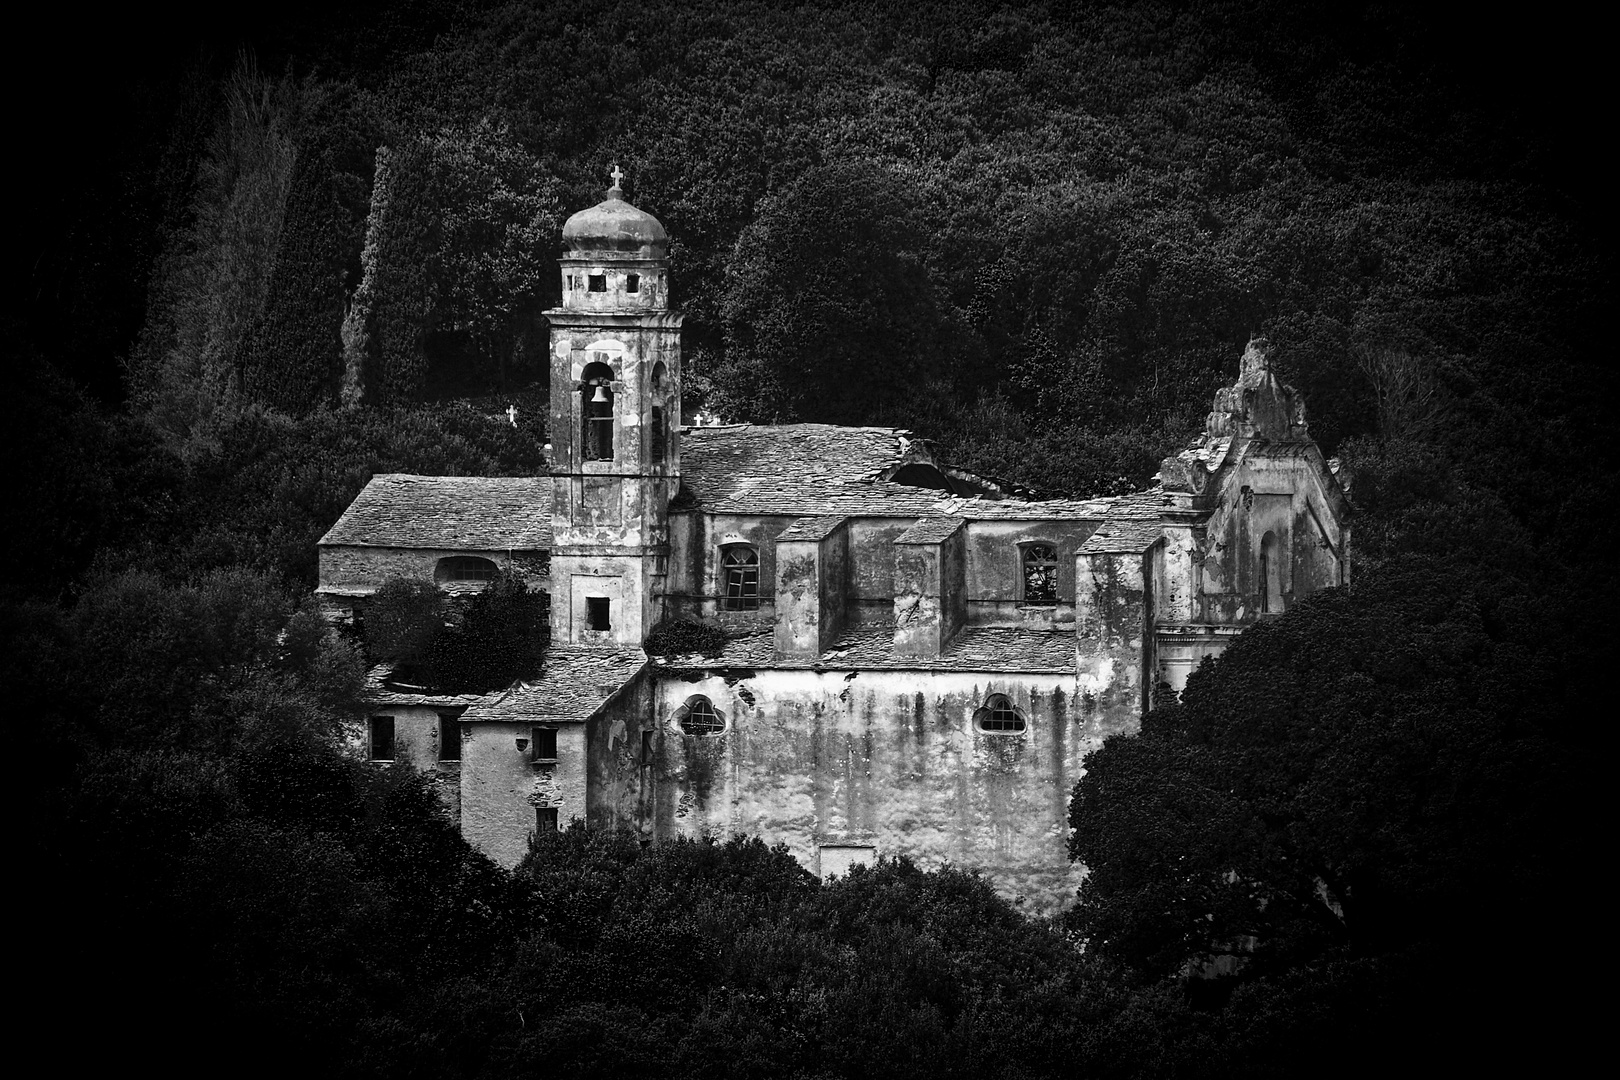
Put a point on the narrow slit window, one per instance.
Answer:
(597, 283)
(1270, 575)
(657, 436)
(632, 283)
(1040, 574)
(739, 563)
(449, 737)
(596, 613)
(545, 744)
(545, 818)
(382, 738)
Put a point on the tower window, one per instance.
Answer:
(597, 283)
(999, 717)
(596, 412)
(596, 613)
(382, 738)
(1040, 574)
(740, 565)
(699, 717)
(632, 283)
(657, 448)
(545, 743)
(545, 818)
(449, 737)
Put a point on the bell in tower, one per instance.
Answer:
(615, 402)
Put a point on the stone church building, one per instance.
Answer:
(917, 659)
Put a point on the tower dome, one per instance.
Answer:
(614, 226)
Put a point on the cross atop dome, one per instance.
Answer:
(617, 176)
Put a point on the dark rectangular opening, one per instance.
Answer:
(449, 737)
(382, 738)
(598, 283)
(545, 744)
(545, 818)
(596, 612)
(657, 433)
(632, 283)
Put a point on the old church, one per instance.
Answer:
(917, 660)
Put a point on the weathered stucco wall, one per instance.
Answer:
(994, 571)
(501, 786)
(1281, 492)
(812, 564)
(928, 592)
(621, 747)
(1113, 634)
(887, 759)
(416, 746)
(696, 583)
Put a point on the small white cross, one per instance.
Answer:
(616, 174)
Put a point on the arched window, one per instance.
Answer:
(739, 563)
(699, 717)
(1270, 574)
(463, 568)
(596, 412)
(1040, 574)
(998, 716)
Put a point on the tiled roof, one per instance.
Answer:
(471, 513)
(1130, 527)
(820, 469)
(860, 648)
(930, 530)
(811, 528)
(1019, 510)
(381, 691)
(573, 685)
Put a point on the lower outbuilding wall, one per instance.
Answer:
(890, 760)
(502, 786)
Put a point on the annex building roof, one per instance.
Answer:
(470, 513)
(573, 684)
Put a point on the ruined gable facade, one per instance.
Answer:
(916, 661)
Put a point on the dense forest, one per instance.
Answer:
(259, 262)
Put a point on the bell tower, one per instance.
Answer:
(615, 419)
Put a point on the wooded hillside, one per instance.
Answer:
(260, 261)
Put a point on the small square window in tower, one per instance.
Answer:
(632, 283)
(382, 738)
(1040, 574)
(596, 613)
(545, 818)
(740, 565)
(597, 283)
